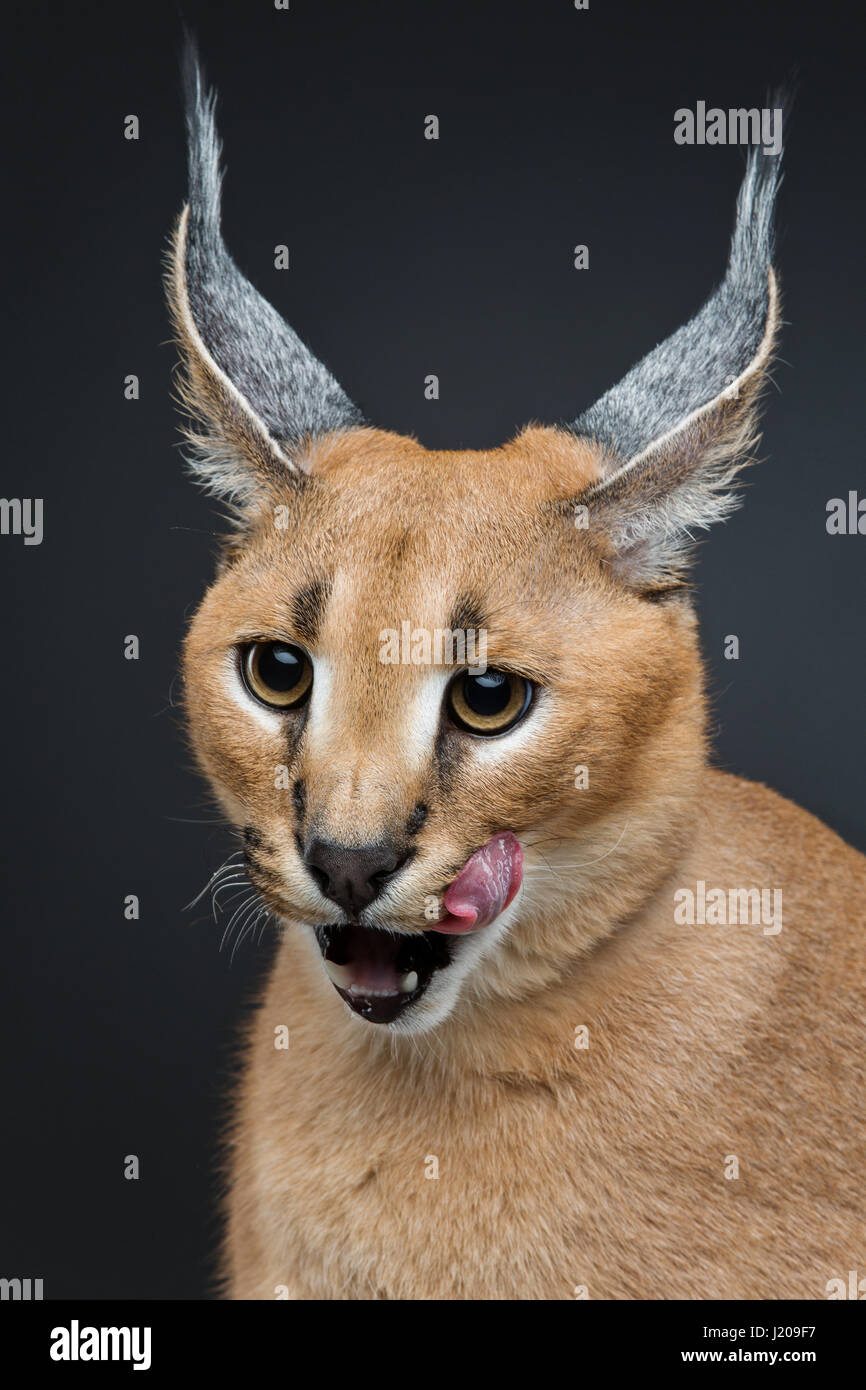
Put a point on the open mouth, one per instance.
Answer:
(381, 973)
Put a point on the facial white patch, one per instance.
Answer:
(269, 720)
(530, 727)
(320, 699)
(423, 721)
(444, 989)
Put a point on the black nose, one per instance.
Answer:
(351, 877)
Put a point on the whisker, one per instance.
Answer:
(586, 864)
(252, 912)
(267, 920)
(217, 907)
(225, 867)
(234, 917)
(547, 862)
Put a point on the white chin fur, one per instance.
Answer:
(443, 991)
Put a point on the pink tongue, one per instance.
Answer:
(485, 885)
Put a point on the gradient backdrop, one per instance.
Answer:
(408, 257)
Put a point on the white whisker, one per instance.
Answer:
(588, 862)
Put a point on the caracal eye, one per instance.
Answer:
(277, 673)
(488, 704)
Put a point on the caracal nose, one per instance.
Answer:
(351, 876)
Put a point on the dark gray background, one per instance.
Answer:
(408, 257)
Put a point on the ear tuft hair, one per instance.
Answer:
(247, 378)
(682, 423)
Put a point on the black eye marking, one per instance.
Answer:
(417, 818)
(308, 608)
(467, 615)
(299, 797)
(446, 754)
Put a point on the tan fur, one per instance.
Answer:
(559, 1168)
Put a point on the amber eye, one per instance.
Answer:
(277, 674)
(489, 704)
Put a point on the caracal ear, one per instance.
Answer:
(683, 422)
(257, 394)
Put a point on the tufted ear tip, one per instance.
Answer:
(231, 452)
(254, 389)
(681, 424)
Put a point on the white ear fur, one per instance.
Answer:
(682, 423)
(235, 434)
(260, 394)
(652, 506)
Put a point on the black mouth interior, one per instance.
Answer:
(386, 961)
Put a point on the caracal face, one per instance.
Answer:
(440, 823)
(386, 538)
